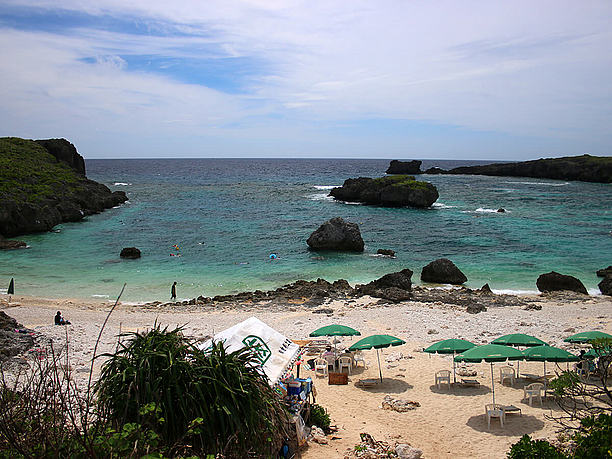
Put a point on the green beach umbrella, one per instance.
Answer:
(377, 342)
(490, 353)
(450, 346)
(518, 340)
(586, 337)
(335, 330)
(11, 287)
(599, 352)
(548, 354)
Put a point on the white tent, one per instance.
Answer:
(275, 351)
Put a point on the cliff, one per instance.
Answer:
(583, 168)
(41, 188)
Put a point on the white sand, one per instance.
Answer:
(447, 424)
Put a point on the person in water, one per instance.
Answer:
(173, 291)
(59, 320)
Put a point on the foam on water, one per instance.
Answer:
(538, 183)
(440, 205)
(325, 187)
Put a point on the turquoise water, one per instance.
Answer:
(227, 216)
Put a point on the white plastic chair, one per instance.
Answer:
(507, 373)
(331, 361)
(443, 377)
(345, 362)
(533, 390)
(358, 357)
(495, 411)
(321, 366)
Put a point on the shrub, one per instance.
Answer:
(319, 417)
(526, 448)
(214, 401)
(594, 439)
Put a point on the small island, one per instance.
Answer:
(43, 184)
(391, 191)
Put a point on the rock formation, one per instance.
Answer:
(553, 281)
(605, 272)
(14, 339)
(337, 234)
(41, 190)
(386, 252)
(394, 287)
(585, 168)
(7, 244)
(404, 167)
(391, 191)
(605, 286)
(443, 271)
(130, 252)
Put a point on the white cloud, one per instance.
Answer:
(521, 68)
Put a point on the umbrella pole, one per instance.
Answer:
(545, 378)
(492, 384)
(454, 373)
(379, 369)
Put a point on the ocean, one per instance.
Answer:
(211, 224)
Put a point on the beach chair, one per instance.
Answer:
(533, 390)
(320, 366)
(443, 377)
(358, 357)
(495, 411)
(507, 373)
(365, 383)
(345, 362)
(469, 383)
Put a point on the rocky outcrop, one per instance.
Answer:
(64, 151)
(553, 281)
(585, 168)
(393, 287)
(404, 167)
(130, 252)
(605, 272)
(7, 244)
(443, 271)
(14, 339)
(386, 252)
(40, 192)
(391, 191)
(337, 234)
(605, 286)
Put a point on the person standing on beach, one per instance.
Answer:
(173, 292)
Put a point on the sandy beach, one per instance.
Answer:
(448, 423)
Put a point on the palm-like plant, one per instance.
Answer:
(211, 401)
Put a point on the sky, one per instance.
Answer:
(399, 79)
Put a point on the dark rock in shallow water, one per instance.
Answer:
(337, 234)
(386, 252)
(485, 290)
(130, 252)
(501, 210)
(394, 287)
(605, 286)
(443, 271)
(553, 281)
(7, 244)
(606, 272)
(404, 167)
(391, 191)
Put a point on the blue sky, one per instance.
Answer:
(398, 79)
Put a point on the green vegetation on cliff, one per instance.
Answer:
(28, 173)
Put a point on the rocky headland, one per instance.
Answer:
(391, 191)
(585, 168)
(43, 184)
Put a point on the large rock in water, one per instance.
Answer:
(553, 281)
(443, 271)
(337, 234)
(605, 272)
(605, 286)
(7, 244)
(391, 191)
(130, 252)
(404, 167)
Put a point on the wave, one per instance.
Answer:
(484, 210)
(538, 183)
(514, 292)
(121, 184)
(325, 187)
(440, 205)
(320, 197)
(100, 296)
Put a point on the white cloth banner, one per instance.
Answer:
(275, 352)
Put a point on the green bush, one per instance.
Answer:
(594, 439)
(214, 401)
(319, 417)
(526, 448)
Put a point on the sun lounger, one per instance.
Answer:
(470, 382)
(511, 409)
(367, 382)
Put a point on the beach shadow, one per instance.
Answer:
(388, 386)
(514, 425)
(457, 390)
